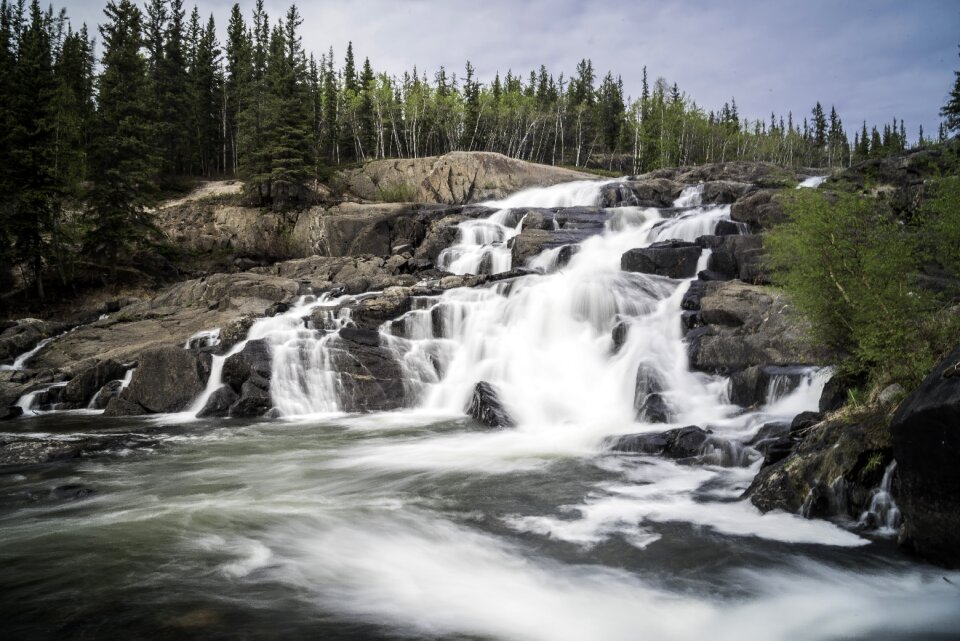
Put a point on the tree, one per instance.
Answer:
(123, 163)
(950, 111)
(237, 82)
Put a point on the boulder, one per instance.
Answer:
(672, 258)
(247, 373)
(82, 387)
(371, 313)
(369, 377)
(23, 335)
(837, 390)
(753, 386)
(746, 325)
(761, 210)
(106, 393)
(724, 192)
(486, 407)
(735, 256)
(219, 403)
(926, 446)
(679, 443)
(167, 379)
(651, 192)
(529, 243)
(119, 406)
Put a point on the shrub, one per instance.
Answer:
(850, 267)
(396, 193)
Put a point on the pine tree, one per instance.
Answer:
(350, 71)
(7, 71)
(950, 111)
(331, 99)
(206, 91)
(365, 115)
(175, 93)
(122, 162)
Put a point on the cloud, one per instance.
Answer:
(873, 59)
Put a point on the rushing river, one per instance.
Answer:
(416, 524)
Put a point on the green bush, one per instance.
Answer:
(850, 266)
(396, 193)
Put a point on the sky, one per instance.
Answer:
(872, 59)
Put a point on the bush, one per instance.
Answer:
(396, 193)
(850, 266)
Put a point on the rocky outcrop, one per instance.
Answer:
(832, 466)
(170, 317)
(369, 377)
(670, 258)
(760, 174)
(926, 446)
(679, 443)
(486, 407)
(745, 325)
(82, 387)
(751, 387)
(166, 380)
(455, 178)
(19, 337)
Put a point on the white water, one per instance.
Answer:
(812, 182)
(883, 509)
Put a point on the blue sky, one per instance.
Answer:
(873, 59)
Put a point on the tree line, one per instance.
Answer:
(88, 142)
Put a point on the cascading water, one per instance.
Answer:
(417, 524)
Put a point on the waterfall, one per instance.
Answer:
(883, 512)
(812, 182)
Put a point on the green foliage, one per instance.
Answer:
(396, 193)
(951, 109)
(850, 267)
(940, 220)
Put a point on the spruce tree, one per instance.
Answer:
(950, 112)
(33, 146)
(122, 161)
(237, 82)
(365, 115)
(175, 94)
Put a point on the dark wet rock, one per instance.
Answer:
(248, 374)
(926, 446)
(690, 321)
(109, 391)
(23, 335)
(833, 466)
(167, 379)
(486, 407)
(653, 409)
(803, 422)
(219, 403)
(71, 492)
(11, 412)
(234, 333)
(746, 325)
(25, 451)
(751, 387)
(773, 441)
(619, 335)
(81, 388)
(728, 228)
(694, 294)
(837, 390)
(672, 258)
(736, 257)
(538, 219)
(367, 337)
(679, 443)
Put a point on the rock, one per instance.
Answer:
(485, 406)
(653, 409)
(724, 192)
(370, 313)
(728, 228)
(761, 210)
(106, 393)
(833, 466)
(890, 394)
(11, 412)
(23, 335)
(803, 422)
(837, 390)
(673, 259)
(746, 325)
(679, 443)
(751, 387)
(219, 403)
(454, 178)
(538, 219)
(119, 406)
(735, 256)
(694, 294)
(619, 335)
(82, 387)
(253, 361)
(652, 192)
(926, 446)
(167, 379)
(369, 377)
(773, 441)
(529, 243)
(234, 332)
